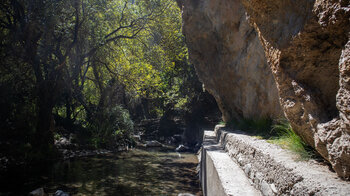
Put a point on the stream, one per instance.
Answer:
(155, 171)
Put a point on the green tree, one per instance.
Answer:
(57, 43)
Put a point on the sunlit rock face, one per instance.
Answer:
(229, 59)
(306, 44)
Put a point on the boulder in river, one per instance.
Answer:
(61, 193)
(185, 194)
(38, 192)
(153, 143)
(182, 148)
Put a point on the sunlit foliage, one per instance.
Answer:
(76, 60)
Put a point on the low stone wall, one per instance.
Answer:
(219, 174)
(270, 169)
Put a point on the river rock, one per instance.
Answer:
(153, 143)
(62, 142)
(65, 142)
(182, 148)
(185, 194)
(61, 193)
(38, 192)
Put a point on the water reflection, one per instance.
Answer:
(137, 172)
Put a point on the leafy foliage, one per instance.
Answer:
(111, 128)
(92, 63)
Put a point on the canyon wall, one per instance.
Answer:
(307, 50)
(229, 59)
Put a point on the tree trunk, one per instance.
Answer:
(68, 110)
(44, 140)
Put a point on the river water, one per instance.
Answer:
(136, 172)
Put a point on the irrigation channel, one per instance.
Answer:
(155, 171)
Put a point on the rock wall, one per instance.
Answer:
(307, 47)
(275, 171)
(229, 59)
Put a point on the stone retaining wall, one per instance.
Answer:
(272, 170)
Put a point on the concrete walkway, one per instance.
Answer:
(220, 175)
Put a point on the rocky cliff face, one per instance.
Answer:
(307, 47)
(229, 59)
(308, 53)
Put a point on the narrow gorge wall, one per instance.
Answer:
(229, 59)
(306, 44)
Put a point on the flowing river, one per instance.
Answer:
(136, 172)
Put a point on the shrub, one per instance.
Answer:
(111, 128)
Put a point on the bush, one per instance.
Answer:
(111, 128)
